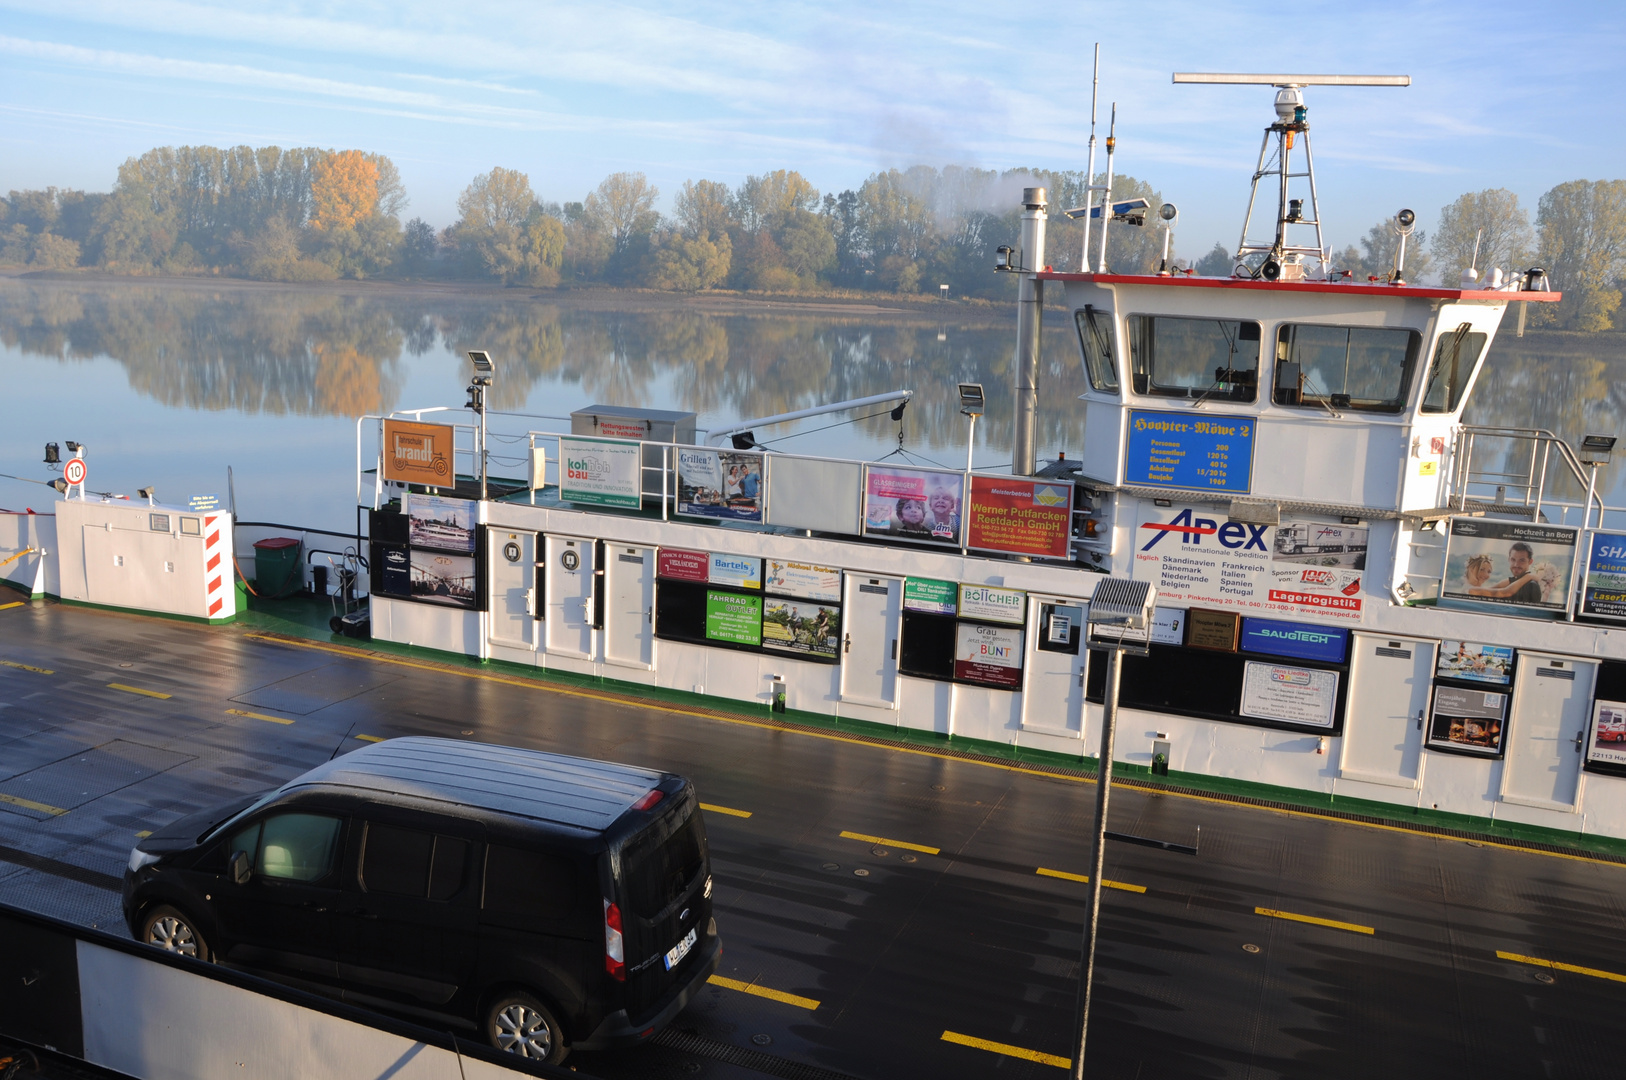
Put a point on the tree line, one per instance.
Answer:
(308, 214)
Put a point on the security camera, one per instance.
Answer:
(1405, 222)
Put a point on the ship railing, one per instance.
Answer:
(1507, 470)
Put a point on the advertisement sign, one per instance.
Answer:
(1023, 517)
(443, 579)
(1205, 452)
(435, 522)
(415, 453)
(739, 571)
(1293, 694)
(1604, 595)
(994, 605)
(1212, 629)
(1508, 567)
(1169, 626)
(1471, 721)
(733, 618)
(1608, 743)
(800, 626)
(680, 565)
(1328, 644)
(988, 656)
(930, 596)
(1472, 660)
(598, 472)
(913, 504)
(805, 580)
(719, 484)
(1300, 567)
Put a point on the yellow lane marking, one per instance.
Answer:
(1007, 1049)
(135, 690)
(143, 834)
(1354, 928)
(764, 992)
(813, 733)
(370, 738)
(1556, 966)
(1105, 882)
(255, 716)
(27, 667)
(14, 603)
(30, 804)
(889, 843)
(712, 808)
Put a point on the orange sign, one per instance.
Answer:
(418, 453)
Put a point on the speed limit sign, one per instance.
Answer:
(74, 471)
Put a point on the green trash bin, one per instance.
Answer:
(276, 567)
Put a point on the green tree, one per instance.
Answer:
(764, 202)
(704, 208)
(1218, 262)
(685, 264)
(1495, 220)
(1582, 229)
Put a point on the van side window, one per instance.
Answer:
(396, 861)
(297, 847)
(446, 873)
(528, 883)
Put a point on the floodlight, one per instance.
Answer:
(1596, 449)
(482, 362)
(743, 440)
(145, 493)
(73, 447)
(971, 399)
(1405, 222)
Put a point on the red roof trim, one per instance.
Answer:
(1415, 292)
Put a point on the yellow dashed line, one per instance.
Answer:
(256, 716)
(764, 992)
(14, 603)
(813, 733)
(1354, 928)
(135, 690)
(889, 843)
(30, 804)
(27, 667)
(712, 808)
(1556, 966)
(1007, 1049)
(370, 738)
(1105, 883)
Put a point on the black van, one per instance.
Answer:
(550, 902)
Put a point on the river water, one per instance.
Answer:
(168, 383)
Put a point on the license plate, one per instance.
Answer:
(681, 949)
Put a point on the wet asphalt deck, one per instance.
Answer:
(877, 959)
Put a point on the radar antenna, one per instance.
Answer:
(1280, 259)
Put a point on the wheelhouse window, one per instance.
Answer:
(1194, 358)
(1366, 369)
(1095, 336)
(1454, 360)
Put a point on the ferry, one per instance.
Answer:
(1359, 597)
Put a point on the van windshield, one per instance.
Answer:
(657, 871)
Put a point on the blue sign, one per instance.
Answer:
(1191, 450)
(1605, 592)
(204, 502)
(1327, 644)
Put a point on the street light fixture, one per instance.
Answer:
(484, 371)
(1595, 450)
(971, 404)
(1120, 621)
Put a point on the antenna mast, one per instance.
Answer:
(1280, 259)
(1090, 186)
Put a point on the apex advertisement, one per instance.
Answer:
(1298, 568)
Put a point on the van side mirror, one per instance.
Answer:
(239, 867)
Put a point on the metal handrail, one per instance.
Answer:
(1533, 479)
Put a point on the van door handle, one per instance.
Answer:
(1419, 719)
(1579, 739)
(847, 643)
(894, 648)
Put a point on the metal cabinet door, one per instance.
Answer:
(873, 607)
(629, 605)
(1053, 682)
(1389, 681)
(569, 585)
(1552, 705)
(512, 574)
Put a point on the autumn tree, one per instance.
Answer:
(344, 191)
(704, 208)
(764, 202)
(1491, 218)
(1582, 229)
(505, 233)
(690, 264)
(623, 207)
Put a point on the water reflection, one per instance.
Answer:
(328, 353)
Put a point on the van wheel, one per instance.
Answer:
(519, 1024)
(171, 930)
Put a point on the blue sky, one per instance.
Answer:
(1518, 95)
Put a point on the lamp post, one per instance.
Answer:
(972, 405)
(1120, 621)
(484, 370)
(1595, 450)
